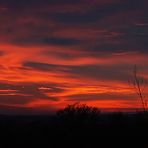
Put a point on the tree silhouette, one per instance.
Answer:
(79, 113)
(139, 83)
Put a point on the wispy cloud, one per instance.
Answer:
(53, 52)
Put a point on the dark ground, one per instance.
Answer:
(107, 130)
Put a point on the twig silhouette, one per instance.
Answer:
(139, 83)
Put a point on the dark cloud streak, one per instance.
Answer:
(108, 72)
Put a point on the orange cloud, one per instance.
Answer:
(55, 53)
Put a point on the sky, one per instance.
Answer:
(59, 52)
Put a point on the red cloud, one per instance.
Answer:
(78, 50)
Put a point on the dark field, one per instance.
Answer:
(107, 130)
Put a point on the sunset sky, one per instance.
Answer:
(59, 52)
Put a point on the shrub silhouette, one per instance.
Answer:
(79, 114)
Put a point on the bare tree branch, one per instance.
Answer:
(139, 83)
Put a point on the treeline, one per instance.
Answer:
(73, 126)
